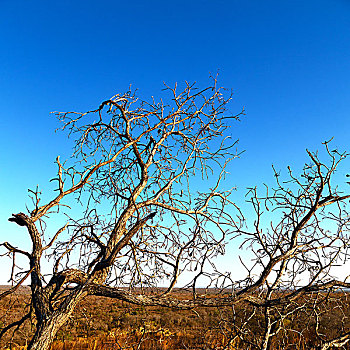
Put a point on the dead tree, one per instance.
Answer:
(148, 180)
(299, 235)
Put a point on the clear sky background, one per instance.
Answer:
(287, 61)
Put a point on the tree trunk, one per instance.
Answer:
(48, 323)
(46, 331)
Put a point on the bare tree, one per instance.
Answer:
(138, 173)
(300, 235)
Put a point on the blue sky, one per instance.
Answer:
(287, 61)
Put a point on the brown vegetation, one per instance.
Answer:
(103, 324)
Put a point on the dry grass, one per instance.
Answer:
(105, 324)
